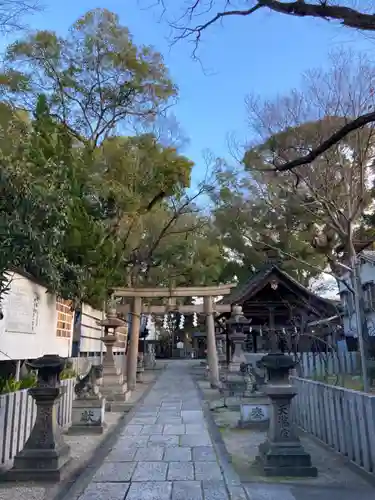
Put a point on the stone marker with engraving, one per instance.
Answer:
(88, 408)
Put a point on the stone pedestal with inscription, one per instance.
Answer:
(254, 413)
(45, 452)
(282, 454)
(88, 416)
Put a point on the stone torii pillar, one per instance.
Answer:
(212, 357)
(132, 355)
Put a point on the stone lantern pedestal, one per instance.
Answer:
(238, 338)
(113, 389)
(220, 338)
(45, 452)
(282, 454)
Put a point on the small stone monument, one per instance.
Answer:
(282, 454)
(113, 389)
(45, 452)
(89, 406)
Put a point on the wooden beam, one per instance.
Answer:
(180, 291)
(126, 309)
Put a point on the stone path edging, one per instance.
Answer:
(231, 477)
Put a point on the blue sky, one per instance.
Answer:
(265, 54)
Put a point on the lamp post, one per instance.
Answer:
(239, 326)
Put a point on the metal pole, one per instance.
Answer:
(360, 321)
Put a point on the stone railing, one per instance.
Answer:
(341, 418)
(17, 417)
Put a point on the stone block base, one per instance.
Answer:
(118, 405)
(87, 416)
(285, 461)
(254, 414)
(39, 465)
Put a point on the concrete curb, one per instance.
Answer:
(231, 477)
(74, 484)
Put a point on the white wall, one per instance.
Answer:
(90, 331)
(28, 329)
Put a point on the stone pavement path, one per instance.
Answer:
(165, 452)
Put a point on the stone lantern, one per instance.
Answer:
(114, 389)
(220, 346)
(282, 454)
(45, 452)
(238, 327)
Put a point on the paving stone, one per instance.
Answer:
(114, 472)
(149, 454)
(169, 414)
(269, 492)
(150, 490)
(163, 440)
(168, 420)
(152, 429)
(132, 430)
(196, 428)
(195, 440)
(187, 490)
(109, 491)
(170, 408)
(177, 454)
(143, 420)
(180, 471)
(207, 471)
(129, 441)
(174, 429)
(203, 454)
(121, 455)
(150, 471)
(192, 415)
(215, 490)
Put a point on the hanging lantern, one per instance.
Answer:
(165, 321)
(195, 319)
(182, 322)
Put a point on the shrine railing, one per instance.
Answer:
(17, 417)
(341, 418)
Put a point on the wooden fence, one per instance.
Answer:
(320, 364)
(17, 417)
(341, 418)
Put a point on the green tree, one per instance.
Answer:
(96, 80)
(252, 216)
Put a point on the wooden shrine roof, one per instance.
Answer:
(258, 281)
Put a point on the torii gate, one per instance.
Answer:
(208, 308)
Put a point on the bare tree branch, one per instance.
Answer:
(356, 124)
